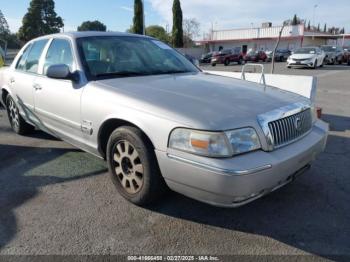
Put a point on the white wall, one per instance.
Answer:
(237, 34)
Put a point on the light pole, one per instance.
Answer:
(315, 6)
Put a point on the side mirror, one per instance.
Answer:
(62, 71)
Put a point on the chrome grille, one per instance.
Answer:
(286, 130)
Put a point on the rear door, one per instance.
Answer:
(57, 101)
(23, 76)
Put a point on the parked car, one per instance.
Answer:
(280, 56)
(255, 56)
(158, 120)
(206, 58)
(192, 59)
(227, 56)
(312, 57)
(334, 54)
(346, 55)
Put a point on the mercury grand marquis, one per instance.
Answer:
(158, 120)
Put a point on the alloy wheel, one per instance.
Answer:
(13, 113)
(128, 167)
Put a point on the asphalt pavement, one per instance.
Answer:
(58, 200)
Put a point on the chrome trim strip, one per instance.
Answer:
(223, 171)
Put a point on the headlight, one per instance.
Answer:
(243, 140)
(215, 144)
(201, 143)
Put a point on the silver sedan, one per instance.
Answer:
(158, 120)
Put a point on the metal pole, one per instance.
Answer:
(275, 49)
(315, 6)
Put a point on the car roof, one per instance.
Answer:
(76, 35)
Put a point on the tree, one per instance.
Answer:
(92, 26)
(191, 31)
(325, 28)
(308, 26)
(158, 32)
(342, 31)
(4, 27)
(41, 19)
(318, 28)
(177, 33)
(138, 18)
(295, 20)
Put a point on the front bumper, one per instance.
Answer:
(301, 63)
(236, 181)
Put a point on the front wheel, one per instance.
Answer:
(227, 62)
(133, 166)
(18, 124)
(315, 65)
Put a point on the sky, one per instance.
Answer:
(220, 14)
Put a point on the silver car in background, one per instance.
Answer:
(158, 120)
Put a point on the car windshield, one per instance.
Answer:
(124, 56)
(328, 48)
(305, 51)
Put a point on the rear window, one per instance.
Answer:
(30, 62)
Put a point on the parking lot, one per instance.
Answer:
(55, 199)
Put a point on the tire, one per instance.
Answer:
(18, 124)
(227, 62)
(213, 64)
(133, 166)
(315, 65)
(240, 61)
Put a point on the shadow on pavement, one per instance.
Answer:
(23, 170)
(311, 214)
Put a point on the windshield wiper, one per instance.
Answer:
(122, 74)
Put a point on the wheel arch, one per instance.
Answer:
(107, 128)
(4, 94)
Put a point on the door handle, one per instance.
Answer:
(37, 87)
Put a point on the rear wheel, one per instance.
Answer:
(213, 64)
(227, 62)
(315, 65)
(18, 124)
(133, 166)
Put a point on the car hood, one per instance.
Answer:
(303, 56)
(199, 100)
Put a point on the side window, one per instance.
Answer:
(59, 52)
(22, 61)
(32, 61)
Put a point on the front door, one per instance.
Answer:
(57, 101)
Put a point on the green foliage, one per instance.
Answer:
(4, 27)
(308, 26)
(92, 26)
(325, 28)
(41, 19)
(296, 20)
(177, 34)
(138, 18)
(158, 32)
